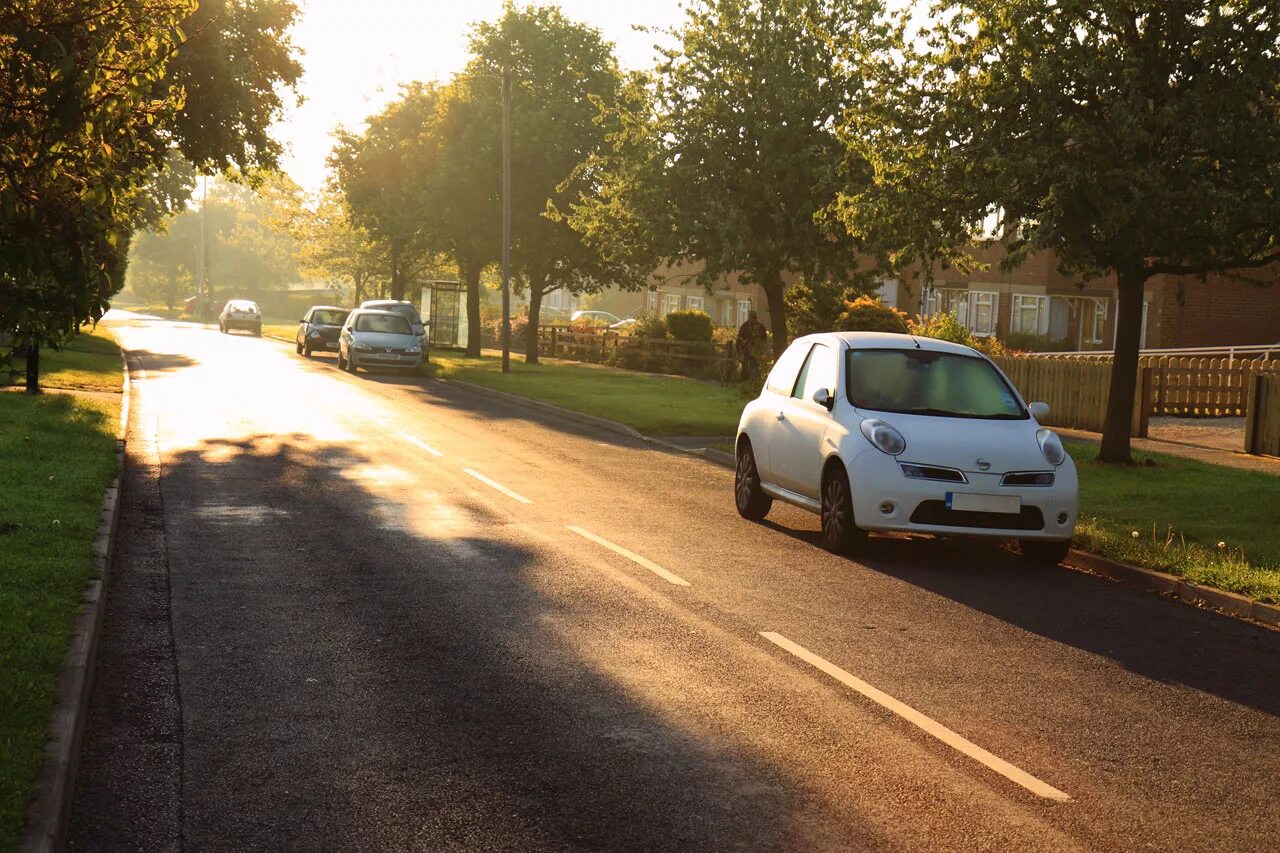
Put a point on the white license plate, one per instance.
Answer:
(965, 502)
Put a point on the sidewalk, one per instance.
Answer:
(1213, 456)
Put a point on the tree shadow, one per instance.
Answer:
(365, 669)
(161, 362)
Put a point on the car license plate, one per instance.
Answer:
(965, 502)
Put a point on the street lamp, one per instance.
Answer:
(506, 221)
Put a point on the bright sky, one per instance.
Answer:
(357, 53)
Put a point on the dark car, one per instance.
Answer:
(319, 329)
(241, 314)
(404, 309)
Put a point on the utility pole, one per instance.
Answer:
(202, 284)
(506, 221)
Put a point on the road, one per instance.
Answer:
(378, 612)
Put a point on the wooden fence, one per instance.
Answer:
(1262, 423)
(1076, 391)
(687, 358)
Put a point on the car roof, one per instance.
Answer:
(888, 340)
(328, 308)
(377, 312)
(372, 302)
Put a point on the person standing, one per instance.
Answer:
(752, 337)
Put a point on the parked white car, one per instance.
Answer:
(887, 432)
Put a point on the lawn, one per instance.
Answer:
(90, 362)
(57, 455)
(655, 405)
(1181, 510)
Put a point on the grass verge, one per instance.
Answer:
(655, 405)
(90, 362)
(57, 455)
(1210, 524)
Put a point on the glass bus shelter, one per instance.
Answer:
(444, 306)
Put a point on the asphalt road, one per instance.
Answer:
(385, 613)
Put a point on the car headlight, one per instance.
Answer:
(361, 345)
(1051, 447)
(883, 437)
(412, 348)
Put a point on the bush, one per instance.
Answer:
(1030, 342)
(692, 325)
(814, 306)
(947, 327)
(650, 326)
(869, 314)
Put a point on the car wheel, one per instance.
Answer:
(257, 333)
(222, 328)
(1045, 552)
(840, 532)
(753, 504)
(351, 366)
(298, 348)
(342, 362)
(306, 352)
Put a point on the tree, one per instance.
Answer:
(330, 246)
(725, 157)
(560, 70)
(1138, 137)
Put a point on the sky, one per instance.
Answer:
(356, 53)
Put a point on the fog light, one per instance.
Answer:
(887, 507)
(1062, 518)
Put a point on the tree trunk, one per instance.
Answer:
(471, 277)
(33, 367)
(535, 310)
(1124, 368)
(773, 293)
(397, 286)
(357, 287)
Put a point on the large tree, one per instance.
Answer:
(333, 248)
(725, 157)
(1134, 137)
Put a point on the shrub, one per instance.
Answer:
(650, 326)
(947, 327)
(691, 325)
(1030, 342)
(870, 314)
(814, 306)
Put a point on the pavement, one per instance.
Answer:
(380, 612)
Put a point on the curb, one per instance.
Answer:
(50, 809)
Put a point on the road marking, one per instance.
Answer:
(482, 478)
(669, 577)
(419, 443)
(927, 724)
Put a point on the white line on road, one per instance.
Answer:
(482, 478)
(669, 577)
(927, 724)
(419, 443)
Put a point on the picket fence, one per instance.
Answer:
(687, 358)
(1076, 391)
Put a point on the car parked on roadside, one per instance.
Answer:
(404, 309)
(241, 314)
(375, 338)
(319, 329)
(886, 432)
(594, 318)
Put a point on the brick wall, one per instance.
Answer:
(1217, 312)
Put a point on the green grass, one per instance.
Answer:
(1181, 510)
(655, 405)
(57, 454)
(287, 331)
(90, 362)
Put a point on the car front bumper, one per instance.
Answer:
(242, 323)
(366, 358)
(887, 500)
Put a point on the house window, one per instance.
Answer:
(652, 300)
(948, 301)
(744, 310)
(1030, 314)
(1098, 327)
(982, 312)
(670, 302)
(694, 303)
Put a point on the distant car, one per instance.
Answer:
(595, 318)
(889, 432)
(319, 329)
(241, 314)
(404, 309)
(374, 338)
(624, 325)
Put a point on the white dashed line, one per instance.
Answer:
(926, 724)
(669, 577)
(482, 478)
(419, 443)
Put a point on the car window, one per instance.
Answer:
(242, 305)
(384, 323)
(405, 310)
(819, 371)
(783, 376)
(928, 382)
(328, 318)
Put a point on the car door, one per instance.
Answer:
(304, 327)
(796, 451)
(773, 400)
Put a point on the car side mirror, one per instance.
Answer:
(1039, 411)
(824, 399)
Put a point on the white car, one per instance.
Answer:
(886, 432)
(372, 338)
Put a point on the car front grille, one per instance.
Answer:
(936, 513)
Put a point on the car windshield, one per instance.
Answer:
(404, 310)
(246, 307)
(385, 323)
(927, 382)
(329, 318)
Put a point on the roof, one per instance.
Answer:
(889, 340)
(371, 302)
(328, 308)
(377, 311)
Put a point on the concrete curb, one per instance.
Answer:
(50, 809)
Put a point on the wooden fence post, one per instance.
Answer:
(1252, 413)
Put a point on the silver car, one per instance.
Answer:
(372, 338)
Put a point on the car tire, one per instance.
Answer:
(222, 328)
(342, 362)
(840, 531)
(1044, 552)
(748, 495)
(257, 333)
(351, 366)
(298, 348)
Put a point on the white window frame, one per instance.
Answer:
(1098, 323)
(978, 298)
(652, 300)
(1020, 303)
(744, 310)
(670, 302)
(695, 303)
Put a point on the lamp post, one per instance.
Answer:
(506, 221)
